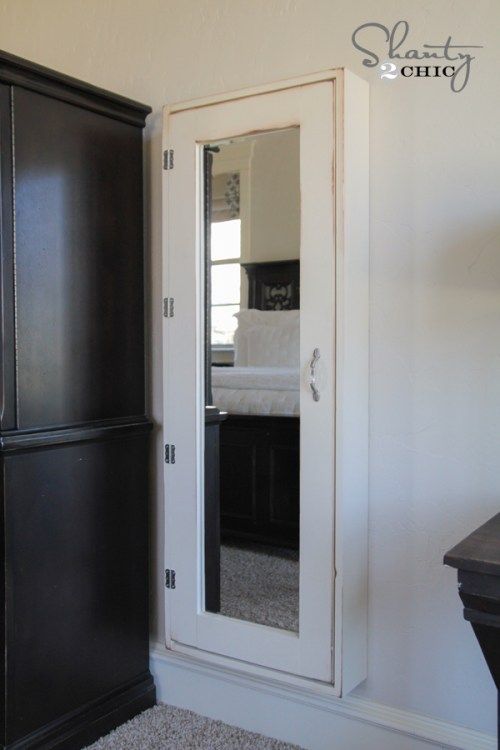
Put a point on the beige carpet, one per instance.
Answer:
(168, 728)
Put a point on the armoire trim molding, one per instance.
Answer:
(105, 430)
(19, 72)
(95, 719)
(311, 717)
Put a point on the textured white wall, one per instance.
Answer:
(435, 278)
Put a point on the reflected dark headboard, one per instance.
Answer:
(274, 285)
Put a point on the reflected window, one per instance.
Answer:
(226, 277)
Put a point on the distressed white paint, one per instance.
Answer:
(435, 280)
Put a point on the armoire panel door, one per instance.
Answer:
(79, 275)
(77, 562)
(7, 349)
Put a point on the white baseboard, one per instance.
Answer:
(306, 717)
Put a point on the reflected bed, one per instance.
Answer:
(260, 439)
(263, 391)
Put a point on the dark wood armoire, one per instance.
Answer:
(74, 431)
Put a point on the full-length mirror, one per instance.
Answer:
(252, 414)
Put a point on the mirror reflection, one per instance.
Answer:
(252, 434)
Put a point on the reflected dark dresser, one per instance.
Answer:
(74, 433)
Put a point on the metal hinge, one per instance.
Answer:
(168, 307)
(169, 579)
(168, 159)
(170, 454)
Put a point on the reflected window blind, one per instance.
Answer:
(226, 196)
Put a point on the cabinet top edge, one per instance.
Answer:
(18, 71)
(339, 75)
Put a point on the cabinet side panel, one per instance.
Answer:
(7, 342)
(77, 577)
(352, 392)
(79, 264)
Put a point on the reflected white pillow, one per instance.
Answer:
(273, 341)
(269, 346)
(278, 318)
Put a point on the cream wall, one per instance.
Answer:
(275, 198)
(435, 279)
(269, 167)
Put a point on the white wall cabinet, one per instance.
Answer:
(331, 111)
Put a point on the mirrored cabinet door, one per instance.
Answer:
(252, 260)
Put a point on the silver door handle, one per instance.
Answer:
(312, 374)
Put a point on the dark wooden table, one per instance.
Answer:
(477, 559)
